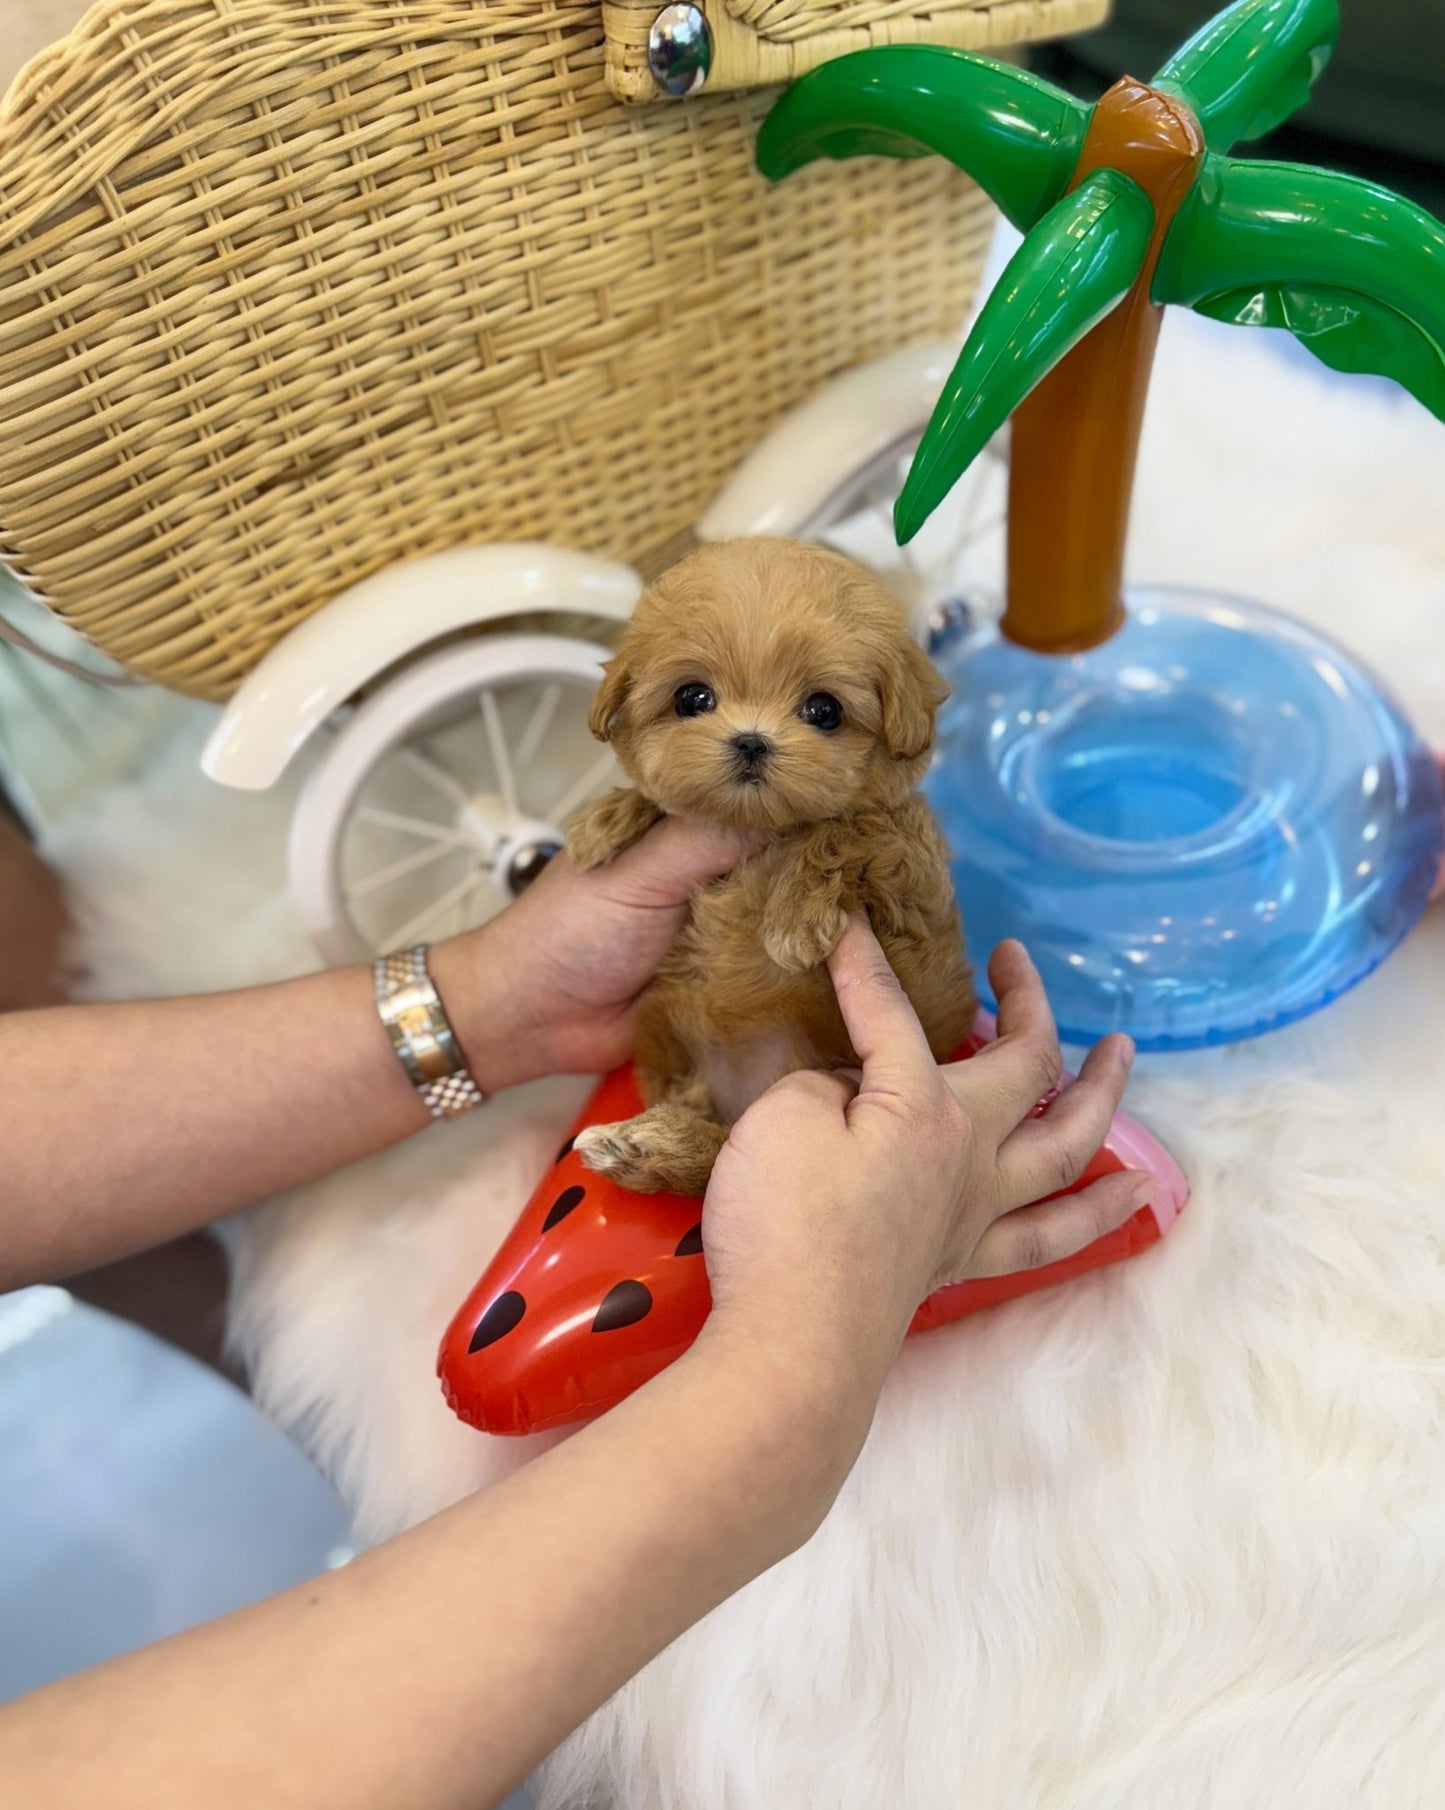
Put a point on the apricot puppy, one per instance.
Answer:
(772, 687)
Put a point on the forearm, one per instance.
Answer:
(122, 1125)
(441, 1668)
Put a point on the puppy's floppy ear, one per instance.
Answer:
(611, 695)
(911, 689)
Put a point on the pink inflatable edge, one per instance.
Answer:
(1135, 1147)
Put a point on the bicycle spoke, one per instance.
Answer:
(960, 546)
(538, 724)
(427, 827)
(433, 774)
(457, 919)
(583, 788)
(497, 742)
(979, 499)
(408, 864)
(411, 931)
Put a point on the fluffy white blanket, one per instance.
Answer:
(1173, 1536)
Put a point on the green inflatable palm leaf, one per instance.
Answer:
(1252, 66)
(1355, 272)
(1017, 136)
(1345, 331)
(1075, 266)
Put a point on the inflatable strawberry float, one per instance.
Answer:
(597, 1289)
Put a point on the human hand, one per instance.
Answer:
(836, 1206)
(550, 985)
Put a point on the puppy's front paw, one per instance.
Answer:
(806, 941)
(600, 831)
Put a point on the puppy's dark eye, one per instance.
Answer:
(693, 700)
(822, 710)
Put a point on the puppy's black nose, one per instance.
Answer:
(752, 750)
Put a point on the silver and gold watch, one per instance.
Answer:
(421, 1033)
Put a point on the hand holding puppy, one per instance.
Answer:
(588, 944)
(837, 1204)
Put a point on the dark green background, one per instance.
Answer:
(1379, 109)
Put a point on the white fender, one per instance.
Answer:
(372, 625)
(818, 446)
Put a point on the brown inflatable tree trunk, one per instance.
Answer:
(1076, 437)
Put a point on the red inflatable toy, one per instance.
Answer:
(597, 1289)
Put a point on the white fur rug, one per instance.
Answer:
(1171, 1537)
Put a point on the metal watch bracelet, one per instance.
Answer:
(421, 1033)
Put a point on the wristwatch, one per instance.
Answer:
(421, 1033)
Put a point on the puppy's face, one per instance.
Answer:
(764, 684)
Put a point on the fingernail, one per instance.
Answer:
(1143, 1190)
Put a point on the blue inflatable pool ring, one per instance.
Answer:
(1206, 827)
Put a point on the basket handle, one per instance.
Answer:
(119, 681)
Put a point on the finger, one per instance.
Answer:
(1030, 1238)
(1024, 1063)
(828, 1087)
(800, 1100)
(883, 1026)
(676, 856)
(1044, 1155)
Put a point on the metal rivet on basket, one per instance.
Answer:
(679, 50)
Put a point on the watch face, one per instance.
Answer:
(415, 1021)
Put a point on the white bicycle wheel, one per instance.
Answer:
(952, 572)
(445, 793)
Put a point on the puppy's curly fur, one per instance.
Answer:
(775, 688)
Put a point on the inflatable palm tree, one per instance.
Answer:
(1126, 207)
(1204, 818)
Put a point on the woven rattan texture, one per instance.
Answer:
(292, 290)
(756, 42)
(791, 20)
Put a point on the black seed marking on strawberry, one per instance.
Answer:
(498, 1320)
(562, 1206)
(623, 1305)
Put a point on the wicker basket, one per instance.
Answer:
(292, 289)
(757, 42)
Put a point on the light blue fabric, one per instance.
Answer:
(61, 739)
(140, 1493)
